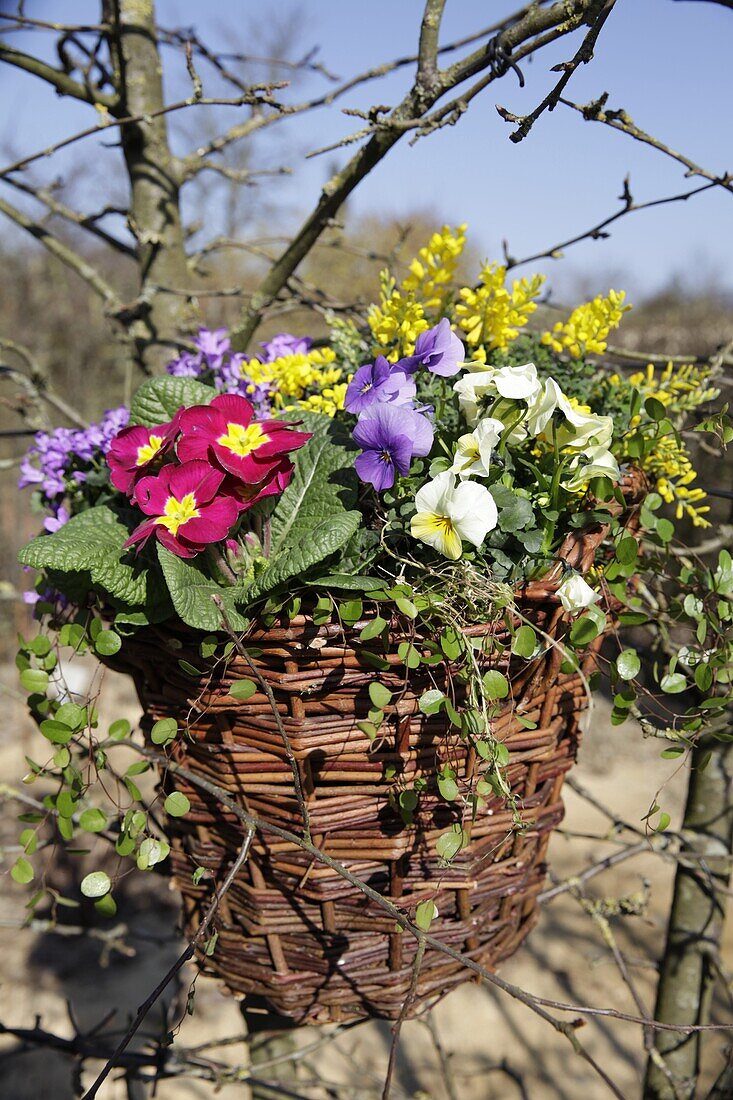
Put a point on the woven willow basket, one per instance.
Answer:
(290, 929)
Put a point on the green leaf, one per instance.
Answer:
(584, 630)
(176, 804)
(431, 701)
(407, 607)
(191, 589)
(673, 683)
(373, 629)
(314, 517)
(347, 583)
(628, 664)
(379, 695)
(163, 731)
(627, 551)
(34, 681)
(96, 884)
(159, 399)
(107, 643)
(309, 547)
(450, 843)
(425, 914)
(22, 871)
(106, 906)
(91, 544)
(451, 642)
(93, 820)
(524, 641)
(448, 787)
(243, 689)
(71, 714)
(58, 733)
(515, 512)
(119, 729)
(496, 685)
(655, 409)
(351, 611)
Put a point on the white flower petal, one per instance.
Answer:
(575, 594)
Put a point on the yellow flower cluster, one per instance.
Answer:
(678, 388)
(491, 315)
(587, 328)
(397, 321)
(432, 270)
(670, 464)
(305, 380)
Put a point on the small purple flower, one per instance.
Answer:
(378, 381)
(186, 366)
(438, 349)
(285, 344)
(53, 523)
(390, 437)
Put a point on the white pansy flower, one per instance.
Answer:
(448, 513)
(582, 428)
(575, 594)
(579, 426)
(473, 451)
(596, 462)
(513, 383)
(541, 409)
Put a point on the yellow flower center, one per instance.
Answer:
(177, 512)
(243, 441)
(148, 450)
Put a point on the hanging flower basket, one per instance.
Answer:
(293, 930)
(361, 603)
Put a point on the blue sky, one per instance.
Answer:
(667, 63)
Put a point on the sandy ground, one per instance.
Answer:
(494, 1047)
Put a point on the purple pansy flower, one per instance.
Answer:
(378, 381)
(438, 349)
(390, 437)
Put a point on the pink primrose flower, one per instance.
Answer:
(134, 449)
(186, 509)
(225, 431)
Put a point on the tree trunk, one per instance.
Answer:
(687, 970)
(155, 216)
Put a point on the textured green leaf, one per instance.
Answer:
(92, 543)
(314, 517)
(158, 399)
(312, 546)
(191, 591)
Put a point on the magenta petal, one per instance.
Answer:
(141, 534)
(194, 446)
(234, 408)
(214, 523)
(151, 493)
(197, 477)
(176, 545)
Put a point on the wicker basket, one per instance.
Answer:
(290, 929)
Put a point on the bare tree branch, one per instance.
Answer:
(596, 17)
(596, 111)
(65, 253)
(57, 78)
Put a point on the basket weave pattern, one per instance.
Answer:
(292, 930)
